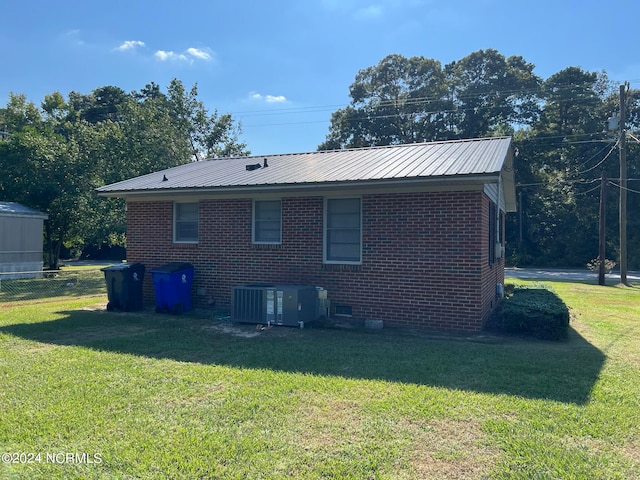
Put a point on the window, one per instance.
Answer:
(185, 228)
(343, 231)
(267, 221)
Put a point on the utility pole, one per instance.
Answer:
(623, 185)
(603, 222)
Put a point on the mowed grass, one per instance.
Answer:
(140, 395)
(70, 282)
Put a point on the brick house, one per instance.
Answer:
(408, 234)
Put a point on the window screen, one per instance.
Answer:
(267, 221)
(186, 222)
(343, 237)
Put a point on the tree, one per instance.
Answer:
(48, 172)
(56, 156)
(492, 94)
(400, 100)
(573, 102)
(18, 113)
(408, 100)
(562, 155)
(209, 135)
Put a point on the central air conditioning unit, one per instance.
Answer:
(290, 305)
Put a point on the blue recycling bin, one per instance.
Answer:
(172, 284)
(124, 286)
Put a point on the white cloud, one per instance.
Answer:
(199, 53)
(189, 55)
(275, 99)
(130, 45)
(267, 98)
(165, 56)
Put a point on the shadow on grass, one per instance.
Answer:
(564, 371)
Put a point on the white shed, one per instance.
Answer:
(20, 240)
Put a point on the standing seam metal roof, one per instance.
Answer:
(410, 161)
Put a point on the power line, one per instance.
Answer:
(565, 182)
(404, 102)
(282, 124)
(597, 187)
(579, 182)
(629, 133)
(592, 157)
(601, 161)
(624, 188)
(413, 101)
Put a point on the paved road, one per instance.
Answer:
(564, 274)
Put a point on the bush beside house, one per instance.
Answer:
(534, 311)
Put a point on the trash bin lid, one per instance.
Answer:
(172, 267)
(121, 266)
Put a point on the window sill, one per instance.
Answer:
(186, 244)
(266, 246)
(341, 267)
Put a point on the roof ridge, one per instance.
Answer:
(370, 147)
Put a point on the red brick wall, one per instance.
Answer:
(492, 273)
(425, 259)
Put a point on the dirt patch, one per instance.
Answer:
(96, 307)
(197, 396)
(328, 425)
(632, 451)
(438, 449)
(244, 330)
(234, 330)
(35, 348)
(451, 449)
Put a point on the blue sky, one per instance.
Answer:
(282, 67)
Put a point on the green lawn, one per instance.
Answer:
(68, 282)
(157, 396)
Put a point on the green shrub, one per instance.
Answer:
(536, 311)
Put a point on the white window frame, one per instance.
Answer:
(176, 220)
(253, 223)
(325, 235)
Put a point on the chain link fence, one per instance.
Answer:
(51, 284)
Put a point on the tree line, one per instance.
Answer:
(53, 156)
(560, 131)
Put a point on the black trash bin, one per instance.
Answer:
(172, 284)
(124, 286)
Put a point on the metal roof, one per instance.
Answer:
(436, 160)
(19, 210)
